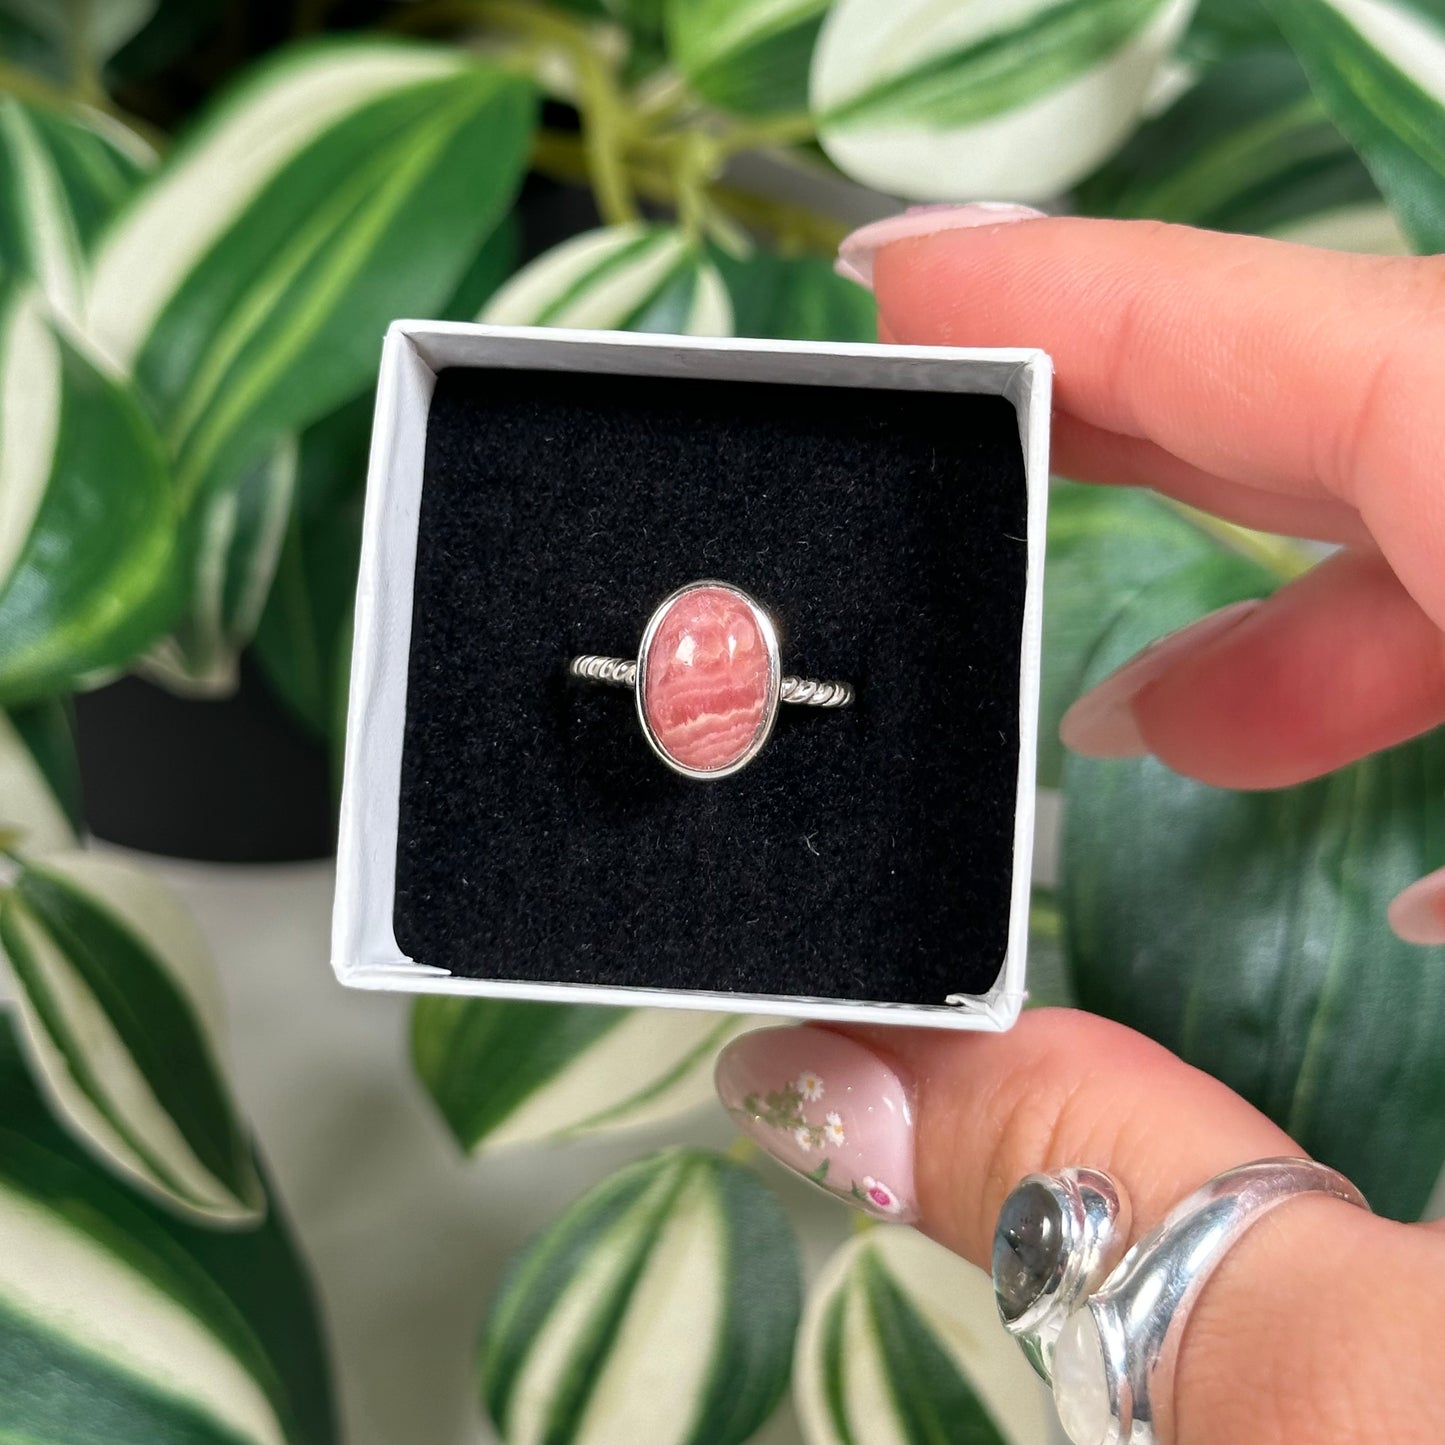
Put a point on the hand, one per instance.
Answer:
(1284, 388)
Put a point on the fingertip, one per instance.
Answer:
(1417, 914)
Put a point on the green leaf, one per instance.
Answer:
(1106, 545)
(507, 1073)
(1379, 68)
(1247, 932)
(87, 517)
(119, 1321)
(796, 298)
(619, 278)
(661, 1306)
(60, 180)
(340, 185)
(301, 640)
(232, 542)
(1248, 149)
(747, 56)
(122, 1017)
(900, 1341)
(1222, 29)
(1015, 102)
(39, 778)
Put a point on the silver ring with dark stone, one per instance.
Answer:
(1103, 1326)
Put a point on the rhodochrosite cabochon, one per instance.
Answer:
(708, 679)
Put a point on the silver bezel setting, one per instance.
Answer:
(769, 634)
(1095, 1223)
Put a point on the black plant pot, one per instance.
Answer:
(235, 780)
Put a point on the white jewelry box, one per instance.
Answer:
(365, 951)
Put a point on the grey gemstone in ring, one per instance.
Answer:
(1058, 1236)
(1027, 1247)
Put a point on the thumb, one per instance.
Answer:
(1291, 1339)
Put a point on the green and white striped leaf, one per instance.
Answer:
(901, 1345)
(338, 186)
(122, 1018)
(747, 56)
(234, 538)
(660, 1307)
(796, 298)
(1379, 68)
(87, 515)
(39, 779)
(60, 180)
(1248, 149)
(121, 1322)
(619, 278)
(1009, 101)
(521, 1073)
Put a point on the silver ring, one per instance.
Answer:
(1103, 1329)
(708, 679)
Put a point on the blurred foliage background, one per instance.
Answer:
(209, 211)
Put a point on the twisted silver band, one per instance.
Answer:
(620, 672)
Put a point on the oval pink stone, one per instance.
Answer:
(706, 684)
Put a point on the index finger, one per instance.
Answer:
(1300, 371)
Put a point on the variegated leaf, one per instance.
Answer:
(1379, 68)
(660, 1307)
(121, 1322)
(234, 545)
(60, 180)
(620, 278)
(39, 779)
(1014, 101)
(749, 56)
(339, 186)
(1250, 149)
(122, 1018)
(87, 516)
(518, 1073)
(901, 1342)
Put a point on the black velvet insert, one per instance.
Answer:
(865, 854)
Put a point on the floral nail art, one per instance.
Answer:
(782, 1109)
(828, 1107)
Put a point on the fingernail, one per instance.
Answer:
(828, 1108)
(856, 251)
(1418, 914)
(1101, 723)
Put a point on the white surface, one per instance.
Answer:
(406, 1238)
(364, 950)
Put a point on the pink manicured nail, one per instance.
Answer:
(856, 252)
(1418, 914)
(1101, 723)
(828, 1108)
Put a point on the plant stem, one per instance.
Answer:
(85, 83)
(561, 157)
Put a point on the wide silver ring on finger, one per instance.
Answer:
(1102, 1325)
(708, 678)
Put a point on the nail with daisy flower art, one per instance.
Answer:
(827, 1108)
